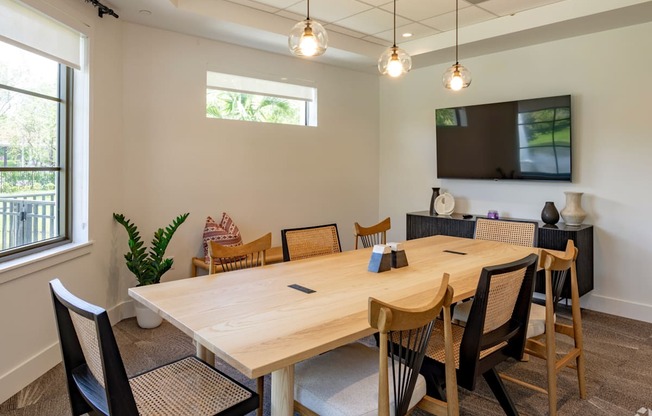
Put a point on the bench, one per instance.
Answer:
(273, 255)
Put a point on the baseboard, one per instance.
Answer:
(22, 375)
(618, 307)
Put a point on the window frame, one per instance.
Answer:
(260, 87)
(63, 194)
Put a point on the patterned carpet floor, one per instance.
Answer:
(618, 370)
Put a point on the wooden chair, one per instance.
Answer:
(520, 233)
(355, 379)
(248, 255)
(543, 327)
(241, 257)
(496, 330)
(305, 242)
(369, 236)
(97, 380)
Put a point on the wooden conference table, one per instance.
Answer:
(252, 320)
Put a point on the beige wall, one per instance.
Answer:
(612, 144)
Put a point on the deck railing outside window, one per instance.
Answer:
(27, 218)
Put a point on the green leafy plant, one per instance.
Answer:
(148, 267)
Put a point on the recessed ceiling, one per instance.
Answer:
(359, 30)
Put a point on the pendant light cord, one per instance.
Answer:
(394, 23)
(457, 3)
(308, 11)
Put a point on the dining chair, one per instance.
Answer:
(356, 379)
(238, 257)
(543, 326)
(305, 242)
(375, 234)
(496, 330)
(520, 233)
(97, 379)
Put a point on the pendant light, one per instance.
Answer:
(308, 38)
(457, 76)
(394, 61)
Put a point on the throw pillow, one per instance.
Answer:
(225, 232)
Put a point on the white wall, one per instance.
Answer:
(612, 142)
(266, 176)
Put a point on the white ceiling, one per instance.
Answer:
(359, 30)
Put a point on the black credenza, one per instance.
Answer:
(422, 224)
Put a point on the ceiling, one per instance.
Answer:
(359, 30)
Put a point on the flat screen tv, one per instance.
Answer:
(525, 139)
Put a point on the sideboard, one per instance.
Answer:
(422, 224)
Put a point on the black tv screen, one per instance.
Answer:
(525, 139)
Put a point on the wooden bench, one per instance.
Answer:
(273, 255)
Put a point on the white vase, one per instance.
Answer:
(573, 214)
(146, 317)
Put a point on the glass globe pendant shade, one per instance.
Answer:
(457, 77)
(394, 62)
(308, 38)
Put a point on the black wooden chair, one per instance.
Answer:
(305, 242)
(97, 380)
(495, 331)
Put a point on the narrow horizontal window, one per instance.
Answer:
(233, 97)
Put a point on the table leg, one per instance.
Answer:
(204, 354)
(283, 391)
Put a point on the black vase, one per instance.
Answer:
(549, 214)
(435, 194)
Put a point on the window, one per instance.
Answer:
(233, 97)
(38, 58)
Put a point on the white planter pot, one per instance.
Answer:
(146, 317)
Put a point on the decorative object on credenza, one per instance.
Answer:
(493, 214)
(549, 214)
(381, 259)
(444, 204)
(435, 194)
(572, 213)
(399, 259)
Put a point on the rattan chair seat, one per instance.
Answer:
(187, 387)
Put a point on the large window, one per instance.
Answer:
(233, 97)
(39, 58)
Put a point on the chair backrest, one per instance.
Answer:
(498, 320)
(305, 242)
(409, 331)
(520, 233)
(556, 271)
(238, 257)
(369, 236)
(95, 372)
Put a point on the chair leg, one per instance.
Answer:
(261, 393)
(551, 364)
(498, 389)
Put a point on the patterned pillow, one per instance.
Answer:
(225, 233)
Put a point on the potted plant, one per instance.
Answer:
(148, 266)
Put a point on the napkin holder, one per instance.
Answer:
(381, 259)
(399, 259)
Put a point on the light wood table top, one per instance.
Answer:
(252, 320)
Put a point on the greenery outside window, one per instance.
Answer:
(233, 97)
